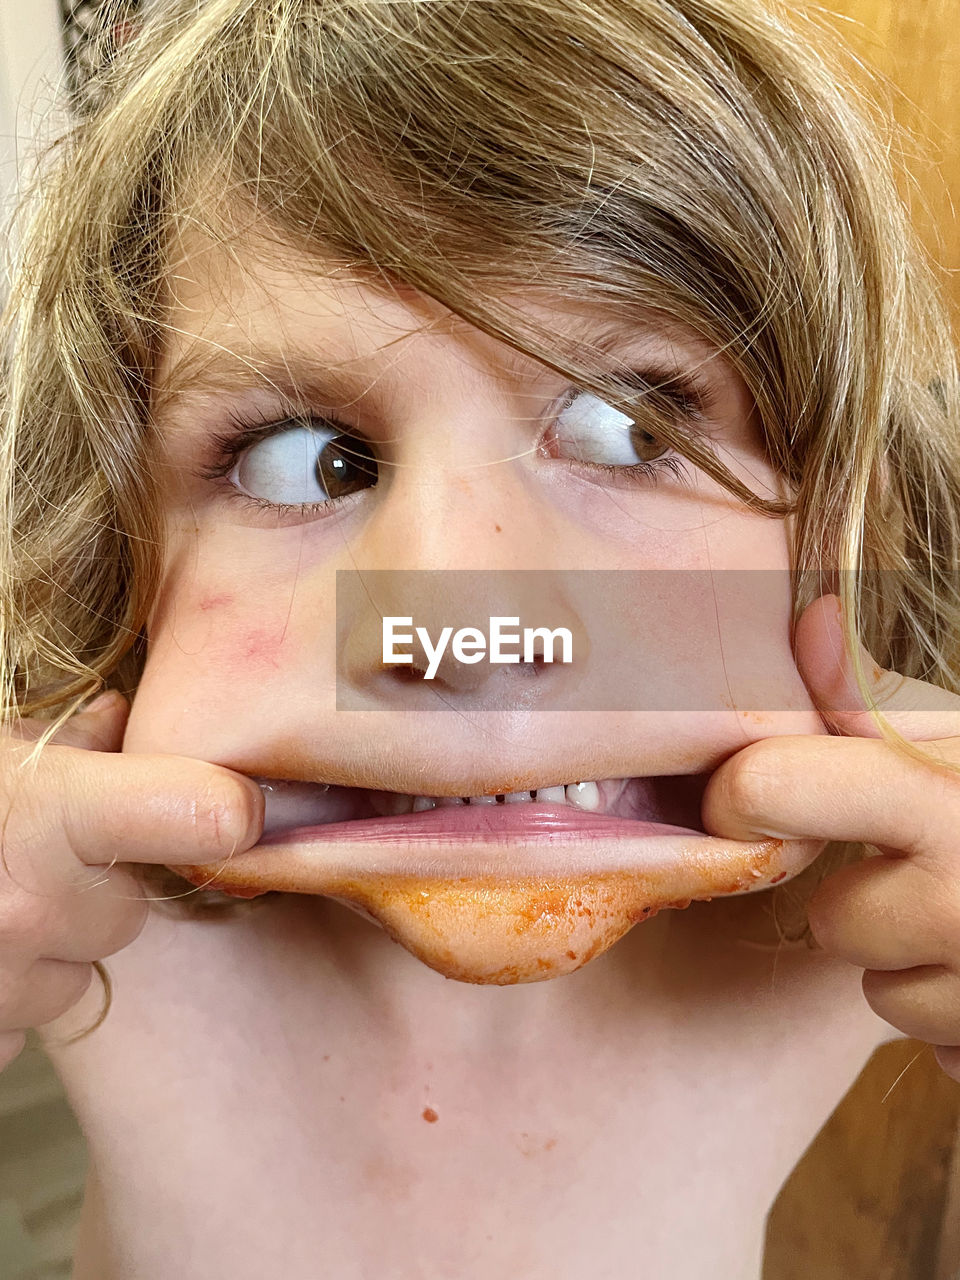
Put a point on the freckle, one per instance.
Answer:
(326, 1057)
(430, 1115)
(498, 529)
(549, 1144)
(571, 955)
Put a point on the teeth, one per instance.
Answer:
(584, 795)
(292, 804)
(551, 795)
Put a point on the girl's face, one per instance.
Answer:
(469, 457)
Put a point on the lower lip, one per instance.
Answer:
(528, 842)
(480, 823)
(504, 894)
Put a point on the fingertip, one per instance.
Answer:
(828, 670)
(948, 1059)
(819, 633)
(99, 726)
(251, 804)
(108, 703)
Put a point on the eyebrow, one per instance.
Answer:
(303, 379)
(294, 377)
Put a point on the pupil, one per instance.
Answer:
(647, 445)
(346, 465)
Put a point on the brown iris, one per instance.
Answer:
(345, 465)
(647, 445)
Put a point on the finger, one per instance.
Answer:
(99, 919)
(831, 788)
(948, 1058)
(12, 1044)
(99, 727)
(923, 1002)
(79, 808)
(886, 913)
(48, 989)
(84, 924)
(917, 709)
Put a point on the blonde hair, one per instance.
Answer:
(700, 159)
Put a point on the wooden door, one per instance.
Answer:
(877, 1195)
(915, 45)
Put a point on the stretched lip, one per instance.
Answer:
(490, 823)
(320, 838)
(420, 850)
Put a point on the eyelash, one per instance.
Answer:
(691, 399)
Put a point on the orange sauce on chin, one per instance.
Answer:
(497, 931)
(501, 930)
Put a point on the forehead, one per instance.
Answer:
(245, 303)
(243, 291)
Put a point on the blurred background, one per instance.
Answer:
(877, 1196)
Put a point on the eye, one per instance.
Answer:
(590, 430)
(304, 465)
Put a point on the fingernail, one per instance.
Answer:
(102, 701)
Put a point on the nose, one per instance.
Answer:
(450, 547)
(490, 639)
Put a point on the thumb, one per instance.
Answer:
(915, 708)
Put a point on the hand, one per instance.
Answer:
(895, 914)
(63, 827)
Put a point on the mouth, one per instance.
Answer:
(628, 807)
(506, 885)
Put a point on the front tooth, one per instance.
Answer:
(420, 803)
(584, 795)
(483, 799)
(516, 797)
(551, 795)
(448, 802)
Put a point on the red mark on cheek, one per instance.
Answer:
(430, 1115)
(261, 645)
(215, 600)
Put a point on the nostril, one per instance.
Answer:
(406, 673)
(410, 673)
